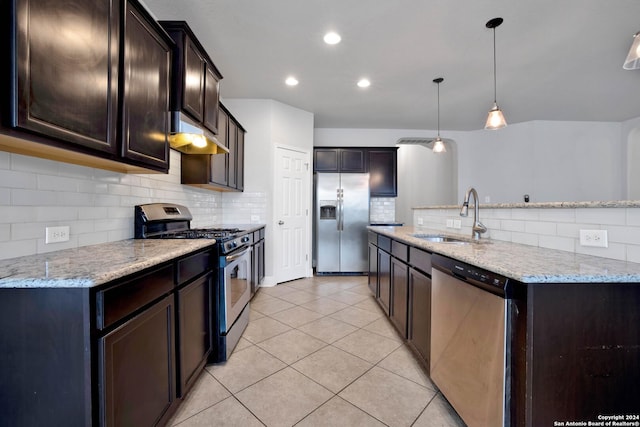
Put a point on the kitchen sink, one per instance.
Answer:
(441, 238)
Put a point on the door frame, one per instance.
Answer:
(307, 203)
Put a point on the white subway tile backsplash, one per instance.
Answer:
(27, 230)
(5, 232)
(602, 216)
(633, 253)
(559, 243)
(525, 239)
(614, 251)
(513, 225)
(543, 228)
(16, 248)
(20, 197)
(17, 179)
(96, 204)
(554, 228)
(558, 215)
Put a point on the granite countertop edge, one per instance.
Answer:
(526, 264)
(546, 205)
(95, 265)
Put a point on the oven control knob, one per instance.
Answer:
(245, 239)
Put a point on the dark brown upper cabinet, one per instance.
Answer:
(383, 172)
(381, 163)
(196, 80)
(146, 65)
(88, 84)
(339, 160)
(220, 172)
(67, 67)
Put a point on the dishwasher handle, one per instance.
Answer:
(476, 276)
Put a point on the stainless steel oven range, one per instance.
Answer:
(232, 290)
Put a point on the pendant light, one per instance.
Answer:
(633, 59)
(438, 143)
(496, 119)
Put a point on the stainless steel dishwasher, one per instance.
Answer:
(468, 345)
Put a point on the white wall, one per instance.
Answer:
(631, 139)
(269, 124)
(550, 161)
(96, 204)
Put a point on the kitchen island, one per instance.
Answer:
(572, 350)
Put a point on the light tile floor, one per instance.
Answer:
(317, 352)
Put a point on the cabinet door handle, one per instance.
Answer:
(280, 222)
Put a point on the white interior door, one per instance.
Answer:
(292, 206)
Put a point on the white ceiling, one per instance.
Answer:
(556, 59)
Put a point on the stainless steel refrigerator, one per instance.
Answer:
(341, 219)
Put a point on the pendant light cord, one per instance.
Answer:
(495, 84)
(438, 110)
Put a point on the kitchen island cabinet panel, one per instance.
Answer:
(384, 281)
(399, 295)
(420, 314)
(582, 351)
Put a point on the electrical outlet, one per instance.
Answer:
(449, 223)
(596, 238)
(56, 234)
(420, 221)
(487, 199)
(457, 223)
(255, 219)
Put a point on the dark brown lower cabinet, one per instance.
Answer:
(194, 329)
(384, 280)
(373, 269)
(399, 295)
(420, 314)
(137, 368)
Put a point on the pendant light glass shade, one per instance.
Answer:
(496, 119)
(438, 146)
(633, 59)
(438, 143)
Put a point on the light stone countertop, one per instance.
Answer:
(94, 265)
(527, 264)
(546, 205)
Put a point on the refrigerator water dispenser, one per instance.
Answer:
(328, 210)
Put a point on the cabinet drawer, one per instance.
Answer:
(420, 259)
(125, 298)
(384, 243)
(193, 266)
(400, 251)
(373, 237)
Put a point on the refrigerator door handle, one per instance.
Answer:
(340, 209)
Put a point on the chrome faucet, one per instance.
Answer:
(478, 227)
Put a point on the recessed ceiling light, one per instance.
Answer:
(332, 38)
(364, 83)
(291, 81)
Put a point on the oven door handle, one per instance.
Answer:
(234, 257)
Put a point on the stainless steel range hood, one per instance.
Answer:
(190, 138)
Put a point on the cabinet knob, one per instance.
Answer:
(280, 222)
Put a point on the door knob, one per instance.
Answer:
(280, 222)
